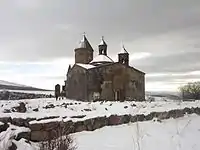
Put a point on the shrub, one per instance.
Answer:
(61, 143)
(60, 140)
(190, 91)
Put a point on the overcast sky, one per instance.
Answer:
(38, 37)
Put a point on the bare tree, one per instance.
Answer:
(190, 90)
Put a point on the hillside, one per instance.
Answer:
(5, 85)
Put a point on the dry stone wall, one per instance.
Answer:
(51, 130)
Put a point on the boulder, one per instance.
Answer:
(49, 106)
(35, 127)
(187, 111)
(68, 127)
(114, 120)
(20, 122)
(89, 123)
(125, 107)
(79, 126)
(21, 108)
(163, 115)
(197, 110)
(80, 116)
(139, 117)
(3, 127)
(50, 126)
(36, 109)
(87, 109)
(100, 122)
(38, 136)
(125, 119)
(24, 135)
(13, 147)
(7, 111)
(6, 119)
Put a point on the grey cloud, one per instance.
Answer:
(117, 20)
(171, 78)
(181, 62)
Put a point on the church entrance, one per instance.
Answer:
(117, 95)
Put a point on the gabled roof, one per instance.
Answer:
(85, 66)
(103, 65)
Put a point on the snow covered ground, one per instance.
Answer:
(173, 134)
(8, 137)
(68, 108)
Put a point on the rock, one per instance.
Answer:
(6, 119)
(126, 119)
(136, 118)
(163, 115)
(13, 147)
(100, 122)
(87, 109)
(125, 107)
(7, 111)
(4, 127)
(89, 123)
(36, 109)
(20, 122)
(176, 113)
(68, 127)
(35, 127)
(187, 111)
(79, 126)
(149, 116)
(197, 110)
(114, 120)
(50, 126)
(21, 108)
(80, 116)
(140, 117)
(24, 135)
(49, 106)
(38, 136)
(133, 105)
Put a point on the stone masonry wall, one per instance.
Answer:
(51, 130)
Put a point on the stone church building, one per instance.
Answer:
(100, 78)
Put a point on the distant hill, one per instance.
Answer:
(5, 85)
(170, 95)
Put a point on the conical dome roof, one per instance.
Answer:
(84, 43)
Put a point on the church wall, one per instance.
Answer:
(77, 84)
(135, 89)
(114, 78)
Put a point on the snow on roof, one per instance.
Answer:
(86, 66)
(102, 58)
